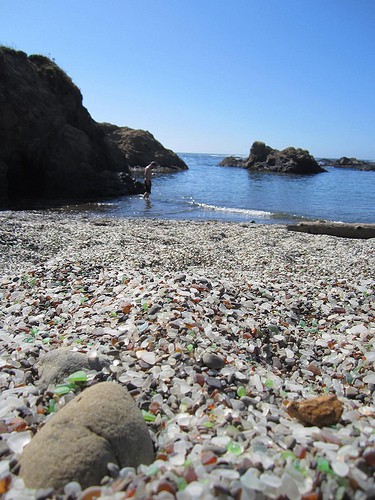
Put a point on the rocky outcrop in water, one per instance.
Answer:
(264, 158)
(345, 162)
(50, 147)
(141, 148)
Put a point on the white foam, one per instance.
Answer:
(252, 213)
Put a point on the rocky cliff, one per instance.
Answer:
(264, 158)
(141, 148)
(50, 147)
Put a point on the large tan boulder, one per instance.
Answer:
(99, 426)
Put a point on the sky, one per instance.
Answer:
(213, 76)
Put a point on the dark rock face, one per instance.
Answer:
(259, 153)
(141, 148)
(264, 158)
(345, 162)
(354, 163)
(232, 161)
(50, 147)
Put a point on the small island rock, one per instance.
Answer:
(345, 162)
(264, 158)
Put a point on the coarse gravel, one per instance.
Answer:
(291, 316)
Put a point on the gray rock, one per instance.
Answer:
(237, 404)
(213, 361)
(58, 364)
(351, 392)
(102, 425)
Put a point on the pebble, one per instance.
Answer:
(213, 361)
(211, 339)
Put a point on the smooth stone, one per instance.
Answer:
(214, 382)
(99, 426)
(238, 405)
(213, 361)
(351, 392)
(58, 364)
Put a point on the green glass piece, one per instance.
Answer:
(183, 407)
(145, 306)
(208, 424)
(286, 454)
(323, 465)
(51, 407)
(273, 329)
(79, 376)
(149, 417)
(190, 347)
(181, 483)
(152, 470)
(268, 383)
(241, 391)
(235, 448)
(62, 389)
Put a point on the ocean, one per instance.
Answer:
(209, 192)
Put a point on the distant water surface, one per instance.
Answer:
(209, 192)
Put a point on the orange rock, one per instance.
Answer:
(320, 411)
(5, 483)
(91, 493)
(16, 424)
(313, 495)
(166, 486)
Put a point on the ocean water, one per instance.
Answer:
(209, 192)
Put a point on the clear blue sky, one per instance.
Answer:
(215, 75)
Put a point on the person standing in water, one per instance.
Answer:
(148, 175)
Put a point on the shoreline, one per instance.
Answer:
(28, 239)
(289, 314)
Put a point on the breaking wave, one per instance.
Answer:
(243, 211)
